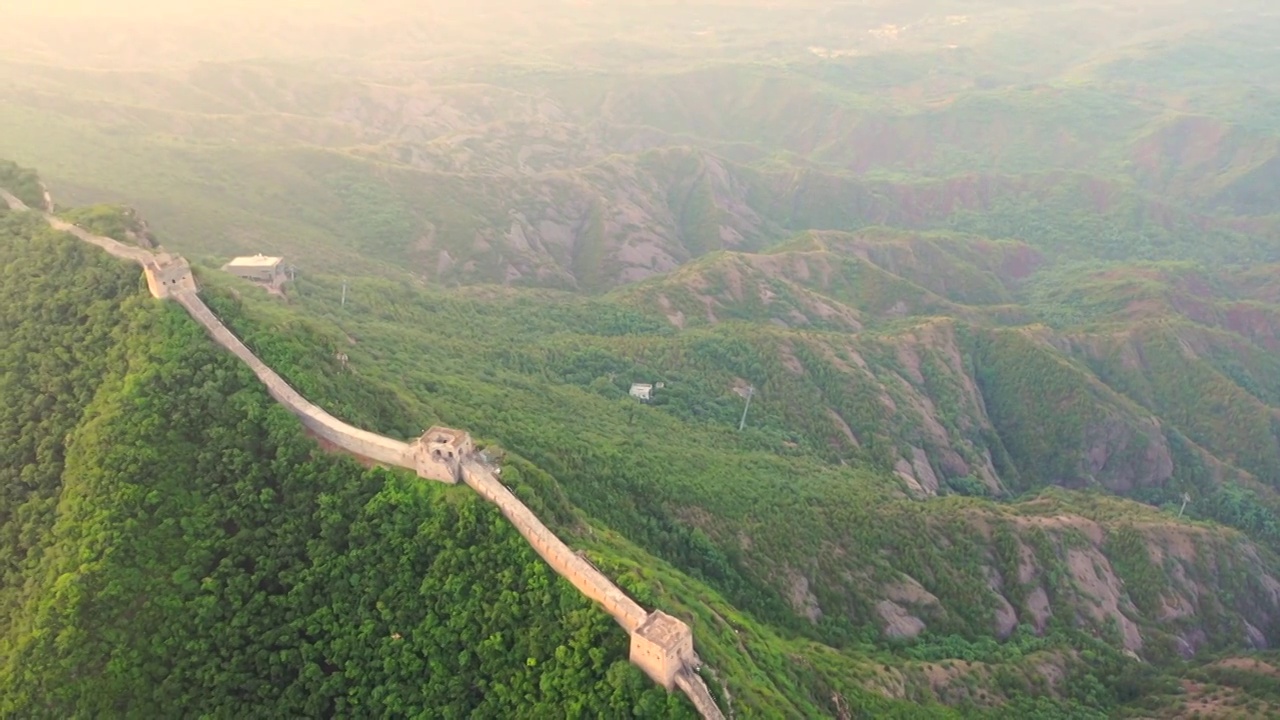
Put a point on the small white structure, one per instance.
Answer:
(642, 391)
(258, 268)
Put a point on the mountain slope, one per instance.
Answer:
(841, 551)
(174, 544)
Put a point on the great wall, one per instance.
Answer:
(661, 645)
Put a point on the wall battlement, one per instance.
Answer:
(167, 275)
(589, 581)
(348, 437)
(440, 453)
(661, 645)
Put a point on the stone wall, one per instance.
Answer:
(588, 580)
(663, 646)
(594, 584)
(114, 247)
(440, 454)
(170, 276)
(693, 686)
(14, 203)
(348, 437)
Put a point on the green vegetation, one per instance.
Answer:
(633, 161)
(113, 221)
(24, 183)
(675, 478)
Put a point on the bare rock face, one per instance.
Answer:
(906, 473)
(1095, 579)
(1190, 641)
(1006, 616)
(1046, 566)
(597, 226)
(802, 599)
(1124, 457)
(1256, 638)
(898, 623)
(924, 470)
(903, 601)
(1038, 608)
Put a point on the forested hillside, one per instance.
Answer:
(174, 546)
(810, 529)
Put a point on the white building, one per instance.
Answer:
(642, 391)
(259, 268)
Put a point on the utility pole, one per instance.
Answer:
(743, 422)
(344, 292)
(1186, 498)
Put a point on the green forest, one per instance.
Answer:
(24, 183)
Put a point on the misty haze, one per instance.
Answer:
(620, 359)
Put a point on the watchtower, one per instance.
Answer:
(661, 646)
(167, 274)
(440, 452)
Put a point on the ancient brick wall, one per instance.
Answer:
(588, 580)
(114, 247)
(693, 686)
(348, 437)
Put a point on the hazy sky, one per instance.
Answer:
(151, 33)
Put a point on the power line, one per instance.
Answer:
(743, 422)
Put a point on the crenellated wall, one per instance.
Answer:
(348, 437)
(693, 686)
(168, 275)
(115, 247)
(588, 580)
(666, 656)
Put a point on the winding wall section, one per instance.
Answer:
(588, 580)
(348, 437)
(169, 277)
